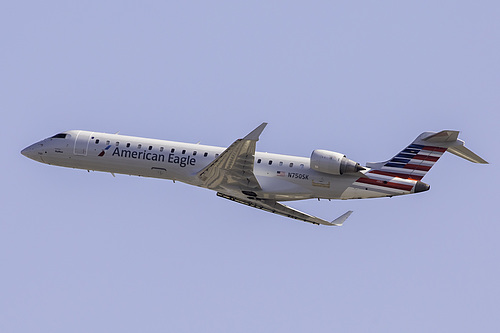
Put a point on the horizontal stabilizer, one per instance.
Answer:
(467, 154)
(443, 136)
(449, 139)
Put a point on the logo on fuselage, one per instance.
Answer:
(150, 156)
(101, 154)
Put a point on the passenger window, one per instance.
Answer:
(128, 144)
(117, 143)
(216, 155)
(96, 141)
(291, 165)
(302, 166)
(150, 147)
(205, 155)
(281, 163)
(161, 148)
(139, 146)
(270, 162)
(183, 151)
(107, 142)
(172, 150)
(259, 160)
(194, 153)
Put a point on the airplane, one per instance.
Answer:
(256, 179)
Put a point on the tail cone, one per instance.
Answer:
(421, 187)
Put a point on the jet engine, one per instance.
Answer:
(333, 163)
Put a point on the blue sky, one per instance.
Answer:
(87, 252)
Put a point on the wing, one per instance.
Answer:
(234, 167)
(280, 209)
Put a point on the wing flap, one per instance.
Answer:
(233, 168)
(275, 207)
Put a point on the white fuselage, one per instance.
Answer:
(281, 177)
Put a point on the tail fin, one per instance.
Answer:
(417, 159)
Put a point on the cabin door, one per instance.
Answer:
(82, 143)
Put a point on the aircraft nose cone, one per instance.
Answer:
(30, 152)
(26, 151)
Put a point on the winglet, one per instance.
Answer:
(341, 219)
(254, 135)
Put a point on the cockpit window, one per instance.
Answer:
(59, 136)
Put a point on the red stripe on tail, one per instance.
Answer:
(417, 167)
(385, 184)
(395, 174)
(430, 148)
(426, 158)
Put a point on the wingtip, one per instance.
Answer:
(341, 219)
(255, 134)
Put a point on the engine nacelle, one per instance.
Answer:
(333, 163)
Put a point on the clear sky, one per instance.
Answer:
(87, 252)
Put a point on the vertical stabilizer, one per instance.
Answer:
(417, 159)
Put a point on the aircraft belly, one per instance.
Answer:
(368, 191)
(273, 187)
